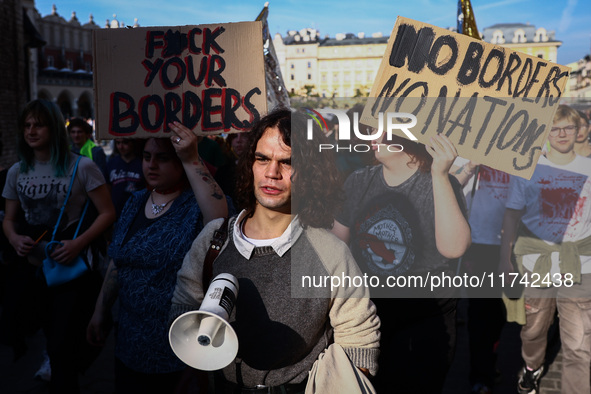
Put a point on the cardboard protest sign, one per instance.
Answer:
(496, 105)
(211, 78)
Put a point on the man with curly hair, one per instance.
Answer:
(283, 234)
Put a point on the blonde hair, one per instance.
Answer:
(566, 112)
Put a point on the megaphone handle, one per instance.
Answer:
(219, 237)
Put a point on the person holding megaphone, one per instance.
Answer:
(282, 236)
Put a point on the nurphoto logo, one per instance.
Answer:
(392, 120)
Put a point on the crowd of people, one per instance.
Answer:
(156, 204)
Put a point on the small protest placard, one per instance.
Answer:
(495, 104)
(211, 78)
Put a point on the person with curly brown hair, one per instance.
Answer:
(288, 191)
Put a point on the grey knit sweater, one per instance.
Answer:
(280, 332)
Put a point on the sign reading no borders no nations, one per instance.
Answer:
(496, 105)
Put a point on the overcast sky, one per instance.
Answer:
(570, 19)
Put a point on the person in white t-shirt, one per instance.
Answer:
(552, 247)
(38, 185)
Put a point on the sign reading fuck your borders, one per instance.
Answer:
(211, 78)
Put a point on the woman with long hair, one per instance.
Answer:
(407, 216)
(154, 232)
(38, 185)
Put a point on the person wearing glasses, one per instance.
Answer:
(547, 227)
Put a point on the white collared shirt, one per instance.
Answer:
(280, 244)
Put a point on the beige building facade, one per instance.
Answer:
(579, 83)
(343, 66)
(525, 38)
(346, 65)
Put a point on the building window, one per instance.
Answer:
(498, 37)
(309, 77)
(519, 36)
(323, 78)
(292, 77)
(541, 55)
(541, 35)
(309, 64)
(292, 66)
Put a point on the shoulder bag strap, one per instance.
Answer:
(81, 218)
(219, 237)
(59, 219)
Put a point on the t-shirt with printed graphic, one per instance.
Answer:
(125, 179)
(393, 227)
(486, 214)
(488, 206)
(41, 193)
(557, 202)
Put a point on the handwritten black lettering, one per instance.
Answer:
(465, 123)
(509, 71)
(500, 60)
(118, 117)
(447, 63)
(494, 102)
(153, 42)
(501, 145)
(412, 45)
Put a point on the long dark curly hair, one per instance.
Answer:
(316, 191)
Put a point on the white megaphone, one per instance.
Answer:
(204, 339)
